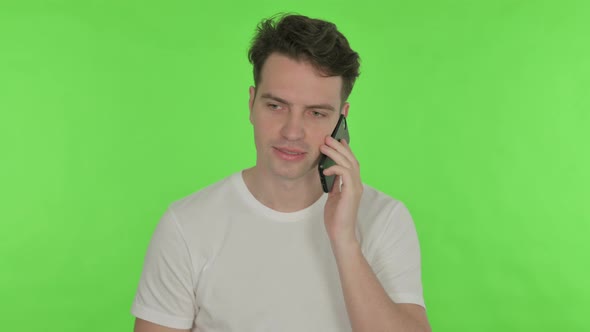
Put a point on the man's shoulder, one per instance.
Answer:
(214, 197)
(375, 198)
(379, 210)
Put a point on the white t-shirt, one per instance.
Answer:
(219, 260)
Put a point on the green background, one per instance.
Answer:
(474, 113)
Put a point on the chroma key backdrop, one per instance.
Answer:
(475, 114)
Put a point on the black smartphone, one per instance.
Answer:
(339, 133)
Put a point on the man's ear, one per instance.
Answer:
(345, 108)
(252, 92)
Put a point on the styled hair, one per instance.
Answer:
(305, 39)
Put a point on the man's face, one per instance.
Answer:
(293, 109)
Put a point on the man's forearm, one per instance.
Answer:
(368, 305)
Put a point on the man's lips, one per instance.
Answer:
(289, 154)
(290, 150)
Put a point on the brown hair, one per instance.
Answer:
(303, 38)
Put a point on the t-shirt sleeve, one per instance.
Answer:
(397, 260)
(165, 295)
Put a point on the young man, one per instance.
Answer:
(265, 249)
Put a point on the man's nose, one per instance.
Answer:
(293, 126)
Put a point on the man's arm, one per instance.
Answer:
(369, 307)
(165, 293)
(145, 326)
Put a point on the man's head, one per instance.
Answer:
(304, 71)
(309, 40)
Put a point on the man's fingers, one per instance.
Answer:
(338, 157)
(343, 149)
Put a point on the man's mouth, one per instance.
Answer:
(290, 152)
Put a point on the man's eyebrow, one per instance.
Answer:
(323, 107)
(283, 101)
(270, 96)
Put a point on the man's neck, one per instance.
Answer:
(281, 194)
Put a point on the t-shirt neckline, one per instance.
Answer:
(272, 214)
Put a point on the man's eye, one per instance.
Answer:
(317, 114)
(274, 107)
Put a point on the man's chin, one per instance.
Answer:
(294, 173)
